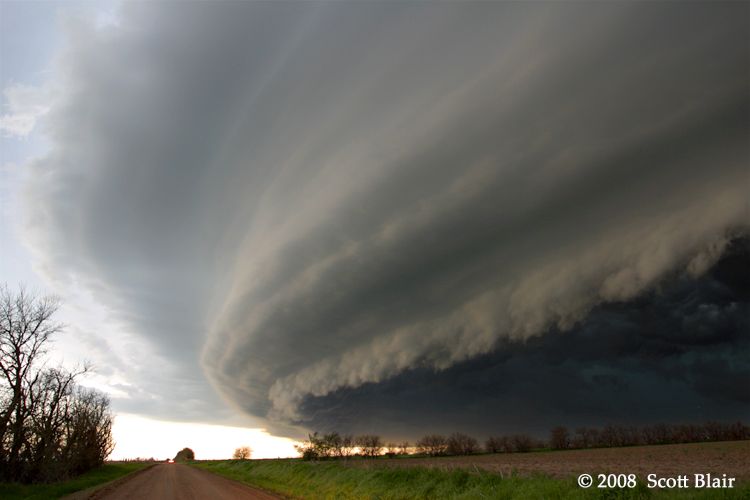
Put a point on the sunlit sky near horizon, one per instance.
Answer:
(268, 218)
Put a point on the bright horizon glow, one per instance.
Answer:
(139, 437)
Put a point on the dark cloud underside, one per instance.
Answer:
(677, 354)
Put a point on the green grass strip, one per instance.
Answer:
(101, 475)
(330, 480)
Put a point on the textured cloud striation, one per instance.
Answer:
(314, 198)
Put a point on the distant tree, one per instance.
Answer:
(88, 431)
(403, 448)
(347, 445)
(184, 455)
(654, 434)
(608, 436)
(517, 443)
(736, 431)
(461, 444)
(585, 437)
(313, 448)
(242, 453)
(391, 449)
(493, 445)
(631, 435)
(499, 444)
(432, 444)
(522, 443)
(559, 438)
(333, 445)
(369, 445)
(688, 433)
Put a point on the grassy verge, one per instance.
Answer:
(104, 474)
(308, 480)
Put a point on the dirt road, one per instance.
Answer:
(175, 481)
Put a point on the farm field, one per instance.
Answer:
(730, 457)
(544, 474)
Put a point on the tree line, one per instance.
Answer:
(619, 435)
(334, 445)
(50, 427)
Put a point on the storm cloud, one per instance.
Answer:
(309, 199)
(678, 353)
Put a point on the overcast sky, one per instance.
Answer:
(388, 216)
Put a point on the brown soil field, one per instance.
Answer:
(731, 458)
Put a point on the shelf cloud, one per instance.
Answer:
(308, 200)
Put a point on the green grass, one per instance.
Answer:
(330, 480)
(101, 475)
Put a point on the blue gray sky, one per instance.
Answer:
(312, 215)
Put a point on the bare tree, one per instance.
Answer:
(461, 444)
(432, 444)
(242, 453)
(559, 438)
(517, 443)
(403, 448)
(25, 327)
(506, 444)
(522, 443)
(391, 449)
(49, 428)
(347, 445)
(608, 436)
(585, 437)
(370, 445)
(332, 445)
(88, 431)
(494, 444)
